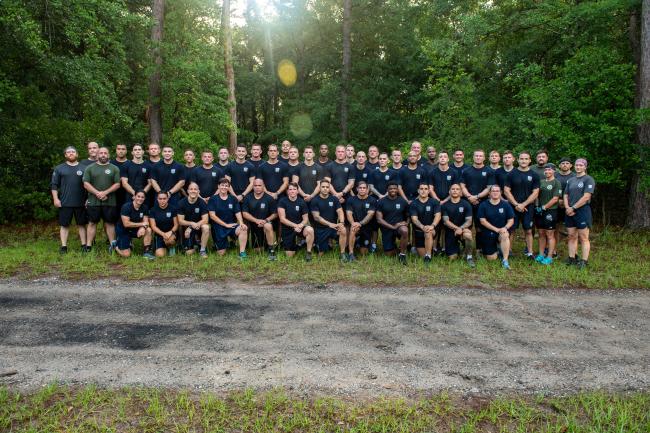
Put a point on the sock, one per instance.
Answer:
(469, 256)
(468, 248)
(147, 248)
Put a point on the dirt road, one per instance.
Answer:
(336, 340)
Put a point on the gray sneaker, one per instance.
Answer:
(148, 256)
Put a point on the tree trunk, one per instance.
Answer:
(345, 74)
(230, 74)
(155, 92)
(639, 211)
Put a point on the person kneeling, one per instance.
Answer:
(134, 223)
(164, 225)
(496, 216)
(328, 214)
(226, 219)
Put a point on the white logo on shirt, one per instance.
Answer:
(428, 208)
(387, 177)
(313, 172)
(141, 215)
(262, 205)
(590, 186)
(549, 187)
(79, 172)
(365, 175)
(483, 173)
(500, 210)
(297, 208)
(173, 171)
(214, 174)
(107, 171)
(345, 169)
(549, 217)
(169, 214)
(144, 170)
(449, 177)
(245, 169)
(580, 185)
(331, 203)
(277, 169)
(367, 205)
(197, 210)
(229, 205)
(398, 206)
(417, 176)
(530, 178)
(461, 209)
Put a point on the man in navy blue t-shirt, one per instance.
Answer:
(168, 175)
(207, 175)
(274, 173)
(457, 218)
(360, 213)
(392, 217)
(226, 219)
(241, 174)
(293, 214)
(259, 209)
(411, 177)
(522, 189)
(425, 216)
(328, 215)
(193, 220)
(163, 219)
(496, 217)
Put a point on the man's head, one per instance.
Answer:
(340, 153)
(495, 192)
(256, 151)
(137, 151)
(193, 190)
(188, 157)
(349, 151)
(120, 151)
(223, 185)
(324, 150)
(423, 190)
(373, 153)
(413, 158)
(102, 155)
(431, 153)
(258, 186)
(524, 159)
(508, 158)
(70, 154)
(153, 150)
(92, 147)
(240, 152)
(308, 153)
(362, 189)
(168, 153)
(293, 154)
(292, 190)
(391, 189)
(207, 158)
(565, 165)
(361, 157)
(443, 158)
(416, 147)
(383, 159)
(272, 152)
(324, 188)
(286, 146)
(549, 171)
(495, 158)
(224, 154)
(459, 156)
(163, 199)
(454, 191)
(541, 157)
(396, 156)
(479, 157)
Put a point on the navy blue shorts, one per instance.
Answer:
(124, 236)
(581, 219)
(323, 236)
(547, 220)
(289, 238)
(525, 218)
(452, 242)
(66, 214)
(220, 235)
(419, 238)
(389, 239)
(159, 242)
(490, 243)
(108, 214)
(364, 236)
(193, 240)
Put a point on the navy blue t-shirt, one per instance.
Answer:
(411, 180)
(136, 174)
(442, 181)
(293, 210)
(457, 212)
(256, 162)
(393, 211)
(522, 183)
(164, 218)
(500, 176)
(425, 212)
(240, 175)
(207, 179)
(293, 170)
(497, 215)
(273, 174)
(379, 179)
(135, 215)
(260, 208)
(326, 207)
(477, 179)
(372, 165)
(360, 208)
(361, 174)
(340, 174)
(168, 175)
(226, 209)
(192, 212)
(458, 170)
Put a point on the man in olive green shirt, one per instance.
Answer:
(101, 180)
(550, 191)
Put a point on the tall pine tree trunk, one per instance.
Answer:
(639, 211)
(155, 92)
(345, 75)
(230, 74)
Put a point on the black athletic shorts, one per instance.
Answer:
(364, 236)
(524, 218)
(419, 238)
(258, 238)
(452, 242)
(66, 214)
(547, 220)
(106, 213)
(290, 238)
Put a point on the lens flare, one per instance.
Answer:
(301, 125)
(287, 73)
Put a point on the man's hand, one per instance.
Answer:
(57, 202)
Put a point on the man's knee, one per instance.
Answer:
(205, 229)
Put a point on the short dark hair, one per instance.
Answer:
(223, 180)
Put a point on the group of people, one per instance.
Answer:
(428, 204)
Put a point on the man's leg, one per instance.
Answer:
(469, 242)
(308, 233)
(110, 231)
(269, 234)
(428, 243)
(354, 231)
(242, 236)
(529, 240)
(504, 242)
(90, 233)
(542, 242)
(403, 239)
(343, 239)
(585, 244)
(572, 241)
(63, 234)
(205, 236)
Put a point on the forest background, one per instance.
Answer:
(559, 75)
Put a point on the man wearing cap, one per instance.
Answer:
(577, 199)
(550, 191)
(69, 197)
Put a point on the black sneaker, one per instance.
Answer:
(343, 257)
(530, 256)
(63, 250)
(555, 255)
(87, 248)
(308, 256)
(571, 261)
(402, 258)
(471, 263)
(427, 259)
(272, 256)
(581, 264)
(351, 258)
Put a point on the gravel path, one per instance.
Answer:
(335, 340)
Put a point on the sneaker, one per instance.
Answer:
(570, 261)
(505, 265)
(243, 255)
(343, 257)
(530, 256)
(172, 252)
(86, 248)
(555, 255)
(308, 256)
(63, 250)
(111, 247)
(402, 258)
(470, 262)
(581, 264)
(414, 250)
(427, 259)
(272, 256)
(373, 248)
(351, 258)
(203, 254)
(147, 255)
(539, 258)
(547, 261)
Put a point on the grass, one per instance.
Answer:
(56, 408)
(620, 259)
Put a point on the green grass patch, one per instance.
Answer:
(619, 259)
(91, 409)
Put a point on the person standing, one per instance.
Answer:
(101, 180)
(92, 147)
(240, 174)
(550, 192)
(274, 173)
(169, 176)
(577, 202)
(135, 173)
(309, 176)
(120, 162)
(69, 197)
(522, 189)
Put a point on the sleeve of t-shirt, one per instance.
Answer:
(492, 177)
(56, 180)
(86, 176)
(350, 173)
(508, 182)
(590, 185)
(245, 204)
(481, 212)
(373, 204)
(210, 206)
(236, 207)
(437, 208)
(273, 208)
(125, 211)
(124, 169)
(282, 204)
(509, 211)
(155, 172)
(116, 176)
(413, 210)
(535, 180)
(444, 210)
(462, 177)
(337, 204)
(468, 209)
(182, 172)
(557, 188)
